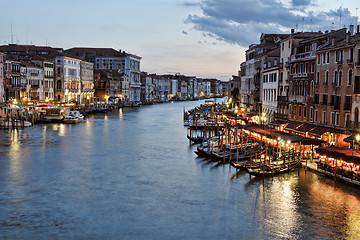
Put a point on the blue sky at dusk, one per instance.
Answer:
(204, 38)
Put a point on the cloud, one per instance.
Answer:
(191, 4)
(301, 3)
(184, 32)
(242, 21)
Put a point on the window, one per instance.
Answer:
(348, 102)
(316, 115)
(332, 100)
(326, 82)
(305, 112)
(300, 108)
(317, 78)
(328, 57)
(325, 99)
(332, 118)
(349, 81)
(311, 113)
(335, 82)
(337, 120)
(316, 98)
(312, 88)
(340, 78)
(324, 117)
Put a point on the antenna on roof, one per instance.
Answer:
(12, 35)
(340, 14)
(302, 24)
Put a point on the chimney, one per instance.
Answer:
(292, 31)
(348, 37)
(351, 29)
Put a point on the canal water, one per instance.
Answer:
(132, 174)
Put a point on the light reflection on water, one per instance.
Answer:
(132, 174)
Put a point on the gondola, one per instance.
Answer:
(268, 170)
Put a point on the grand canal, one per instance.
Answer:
(131, 174)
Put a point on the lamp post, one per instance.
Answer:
(263, 119)
(357, 141)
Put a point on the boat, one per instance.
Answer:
(73, 117)
(56, 114)
(272, 169)
(245, 165)
(197, 139)
(14, 123)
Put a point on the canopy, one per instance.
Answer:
(342, 153)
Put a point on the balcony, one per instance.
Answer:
(296, 98)
(281, 116)
(351, 125)
(282, 99)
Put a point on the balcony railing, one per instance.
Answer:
(296, 98)
(352, 125)
(282, 98)
(281, 116)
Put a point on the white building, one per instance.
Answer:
(67, 78)
(32, 77)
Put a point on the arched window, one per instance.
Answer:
(312, 88)
(300, 89)
(296, 88)
(335, 80)
(340, 78)
(349, 81)
(317, 78)
(326, 82)
(305, 88)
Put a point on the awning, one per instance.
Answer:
(312, 141)
(304, 128)
(351, 139)
(292, 126)
(319, 131)
(346, 154)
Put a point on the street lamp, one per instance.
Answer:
(263, 119)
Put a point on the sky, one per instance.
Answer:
(203, 38)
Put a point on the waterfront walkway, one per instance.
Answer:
(312, 166)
